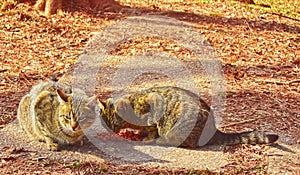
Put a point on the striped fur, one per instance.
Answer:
(172, 116)
(51, 113)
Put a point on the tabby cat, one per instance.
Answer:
(52, 113)
(172, 116)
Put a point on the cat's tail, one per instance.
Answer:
(252, 137)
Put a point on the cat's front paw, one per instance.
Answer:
(77, 143)
(148, 140)
(161, 141)
(80, 143)
(52, 146)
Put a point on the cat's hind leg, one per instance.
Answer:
(24, 116)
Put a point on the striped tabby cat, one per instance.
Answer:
(172, 116)
(51, 112)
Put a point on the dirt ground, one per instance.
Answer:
(258, 48)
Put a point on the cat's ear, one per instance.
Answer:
(61, 95)
(102, 105)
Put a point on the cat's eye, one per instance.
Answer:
(66, 117)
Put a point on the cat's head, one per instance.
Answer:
(109, 114)
(76, 111)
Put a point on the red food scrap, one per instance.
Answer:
(124, 134)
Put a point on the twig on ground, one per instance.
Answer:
(281, 15)
(3, 70)
(282, 83)
(242, 122)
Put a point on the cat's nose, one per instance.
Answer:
(74, 126)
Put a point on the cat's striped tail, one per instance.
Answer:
(252, 137)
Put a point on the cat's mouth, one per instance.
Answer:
(75, 126)
(76, 129)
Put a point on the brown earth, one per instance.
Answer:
(259, 53)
